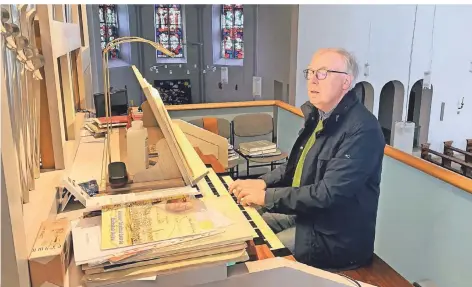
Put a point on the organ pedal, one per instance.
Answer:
(214, 185)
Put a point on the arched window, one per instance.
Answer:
(169, 29)
(232, 24)
(108, 27)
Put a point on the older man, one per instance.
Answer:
(323, 202)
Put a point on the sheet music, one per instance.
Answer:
(153, 221)
(86, 234)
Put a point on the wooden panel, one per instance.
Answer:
(75, 13)
(165, 166)
(70, 35)
(210, 160)
(68, 107)
(58, 12)
(206, 141)
(84, 25)
(45, 137)
(197, 167)
(205, 147)
(85, 57)
(166, 126)
(75, 75)
(379, 274)
(12, 207)
(51, 74)
(88, 88)
(80, 69)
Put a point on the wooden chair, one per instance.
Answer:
(224, 130)
(250, 127)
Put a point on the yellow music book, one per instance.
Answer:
(156, 220)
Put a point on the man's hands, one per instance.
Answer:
(249, 191)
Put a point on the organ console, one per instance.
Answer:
(265, 259)
(214, 185)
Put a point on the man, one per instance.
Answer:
(323, 201)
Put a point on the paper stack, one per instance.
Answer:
(232, 155)
(261, 148)
(152, 238)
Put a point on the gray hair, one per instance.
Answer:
(351, 64)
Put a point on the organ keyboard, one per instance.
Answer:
(215, 185)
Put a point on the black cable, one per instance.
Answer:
(350, 279)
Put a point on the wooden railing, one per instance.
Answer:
(425, 166)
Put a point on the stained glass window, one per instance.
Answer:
(108, 27)
(169, 29)
(232, 23)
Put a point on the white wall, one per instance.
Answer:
(451, 77)
(389, 54)
(273, 48)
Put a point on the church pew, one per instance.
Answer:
(449, 150)
(446, 160)
(469, 145)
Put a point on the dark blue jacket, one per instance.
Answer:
(336, 203)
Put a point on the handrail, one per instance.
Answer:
(445, 175)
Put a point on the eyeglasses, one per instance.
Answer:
(321, 74)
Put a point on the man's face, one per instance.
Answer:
(326, 93)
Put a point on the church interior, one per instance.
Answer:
(214, 93)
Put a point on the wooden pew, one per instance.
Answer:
(469, 145)
(449, 150)
(446, 160)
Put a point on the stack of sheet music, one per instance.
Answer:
(261, 148)
(232, 155)
(152, 238)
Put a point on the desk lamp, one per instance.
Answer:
(117, 170)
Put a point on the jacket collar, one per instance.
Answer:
(347, 102)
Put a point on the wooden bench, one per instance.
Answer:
(469, 145)
(446, 160)
(449, 150)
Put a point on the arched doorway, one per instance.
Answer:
(360, 91)
(419, 111)
(365, 93)
(390, 108)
